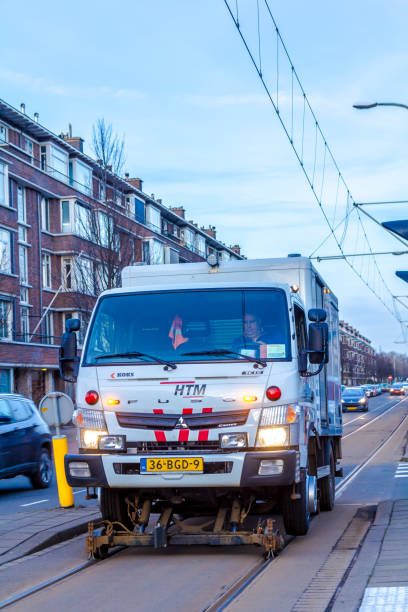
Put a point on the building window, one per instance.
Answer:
(4, 192)
(105, 231)
(200, 245)
(6, 319)
(58, 162)
(82, 224)
(3, 133)
(140, 211)
(66, 224)
(153, 217)
(21, 205)
(46, 271)
(22, 233)
(28, 147)
(84, 276)
(81, 176)
(49, 328)
(23, 261)
(5, 381)
(189, 238)
(24, 295)
(67, 281)
(25, 323)
(5, 251)
(45, 214)
(153, 252)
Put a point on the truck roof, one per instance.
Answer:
(295, 270)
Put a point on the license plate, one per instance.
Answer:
(170, 464)
(352, 407)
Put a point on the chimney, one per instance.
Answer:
(136, 182)
(179, 210)
(36, 117)
(159, 200)
(236, 248)
(22, 108)
(210, 231)
(75, 141)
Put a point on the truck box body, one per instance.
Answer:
(188, 412)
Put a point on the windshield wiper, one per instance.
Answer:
(170, 364)
(216, 352)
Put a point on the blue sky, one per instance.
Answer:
(174, 78)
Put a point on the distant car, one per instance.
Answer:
(369, 390)
(25, 441)
(354, 398)
(384, 387)
(397, 389)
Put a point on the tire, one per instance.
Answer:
(41, 478)
(327, 484)
(296, 516)
(113, 506)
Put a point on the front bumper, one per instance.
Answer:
(220, 470)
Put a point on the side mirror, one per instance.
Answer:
(72, 325)
(68, 359)
(318, 342)
(317, 315)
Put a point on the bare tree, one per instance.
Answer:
(106, 227)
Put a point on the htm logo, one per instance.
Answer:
(190, 390)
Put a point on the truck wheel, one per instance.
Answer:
(113, 506)
(296, 513)
(327, 484)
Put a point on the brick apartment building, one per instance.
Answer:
(52, 197)
(358, 359)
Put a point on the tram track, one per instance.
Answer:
(228, 594)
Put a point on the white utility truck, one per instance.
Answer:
(203, 390)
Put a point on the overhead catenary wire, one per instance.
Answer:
(324, 177)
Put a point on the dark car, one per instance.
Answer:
(25, 441)
(354, 398)
(397, 389)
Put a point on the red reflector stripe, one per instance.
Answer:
(183, 435)
(203, 433)
(187, 411)
(160, 435)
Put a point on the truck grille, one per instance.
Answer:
(166, 422)
(160, 447)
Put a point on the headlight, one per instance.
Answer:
(90, 438)
(275, 415)
(363, 400)
(233, 440)
(342, 401)
(272, 436)
(112, 443)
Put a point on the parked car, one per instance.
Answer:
(369, 390)
(385, 387)
(354, 398)
(25, 441)
(397, 389)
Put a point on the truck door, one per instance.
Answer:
(320, 303)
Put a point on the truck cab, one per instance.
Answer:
(207, 385)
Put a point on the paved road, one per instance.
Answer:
(182, 579)
(17, 494)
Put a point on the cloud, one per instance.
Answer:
(38, 83)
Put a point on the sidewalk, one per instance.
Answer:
(24, 533)
(378, 581)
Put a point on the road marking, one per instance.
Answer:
(366, 415)
(372, 421)
(341, 487)
(33, 503)
(81, 491)
(401, 471)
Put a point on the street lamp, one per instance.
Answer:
(365, 105)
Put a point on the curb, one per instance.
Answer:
(352, 592)
(48, 537)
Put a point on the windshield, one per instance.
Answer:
(179, 326)
(352, 392)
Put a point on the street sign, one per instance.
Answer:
(56, 409)
(397, 227)
(402, 275)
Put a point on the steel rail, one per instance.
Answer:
(372, 420)
(223, 599)
(370, 412)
